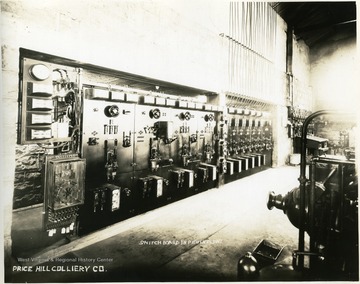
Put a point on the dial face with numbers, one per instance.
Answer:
(66, 195)
(155, 113)
(67, 190)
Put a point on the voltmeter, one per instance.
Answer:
(39, 72)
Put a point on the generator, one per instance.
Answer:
(325, 210)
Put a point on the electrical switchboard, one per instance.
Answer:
(249, 141)
(154, 149)
(113, 150)
(107, 139)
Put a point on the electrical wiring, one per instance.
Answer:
(251, 52)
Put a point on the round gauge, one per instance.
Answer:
(112, 111)
(185, 116)
(39, 72)
(209, 117)
(154, 113)
(66, 195)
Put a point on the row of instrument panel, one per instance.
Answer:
(113, 152)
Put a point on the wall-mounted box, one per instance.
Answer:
(157, 185)
(45, 89)
(46, 93)
(95, 93)
(160, 101)
(230, 167)
(189, 176)
(38, 133)
(211, 170)
(171, 102)
(199, 106)
(148, 100)
(36, 103)
(182, 104)
(237, 164)
(34, 118)
(191, 105)
(117, 96)
(132, 98)
(64, 190)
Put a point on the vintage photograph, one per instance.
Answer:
(179, 141)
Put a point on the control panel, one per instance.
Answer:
(48, 102)
(107, 139)
(64, 184)
(113, 151)
(249, 141)
(155, 149)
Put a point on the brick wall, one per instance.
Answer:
(27, 183)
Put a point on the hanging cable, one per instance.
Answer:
(251, 52)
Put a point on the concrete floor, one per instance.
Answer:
(199, 238)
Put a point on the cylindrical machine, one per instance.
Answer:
(289, 203)
(330, 219)
(325, 206)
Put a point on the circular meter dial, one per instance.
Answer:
(154, 113)
(39, 72)
(112, 111)
(66, 195)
